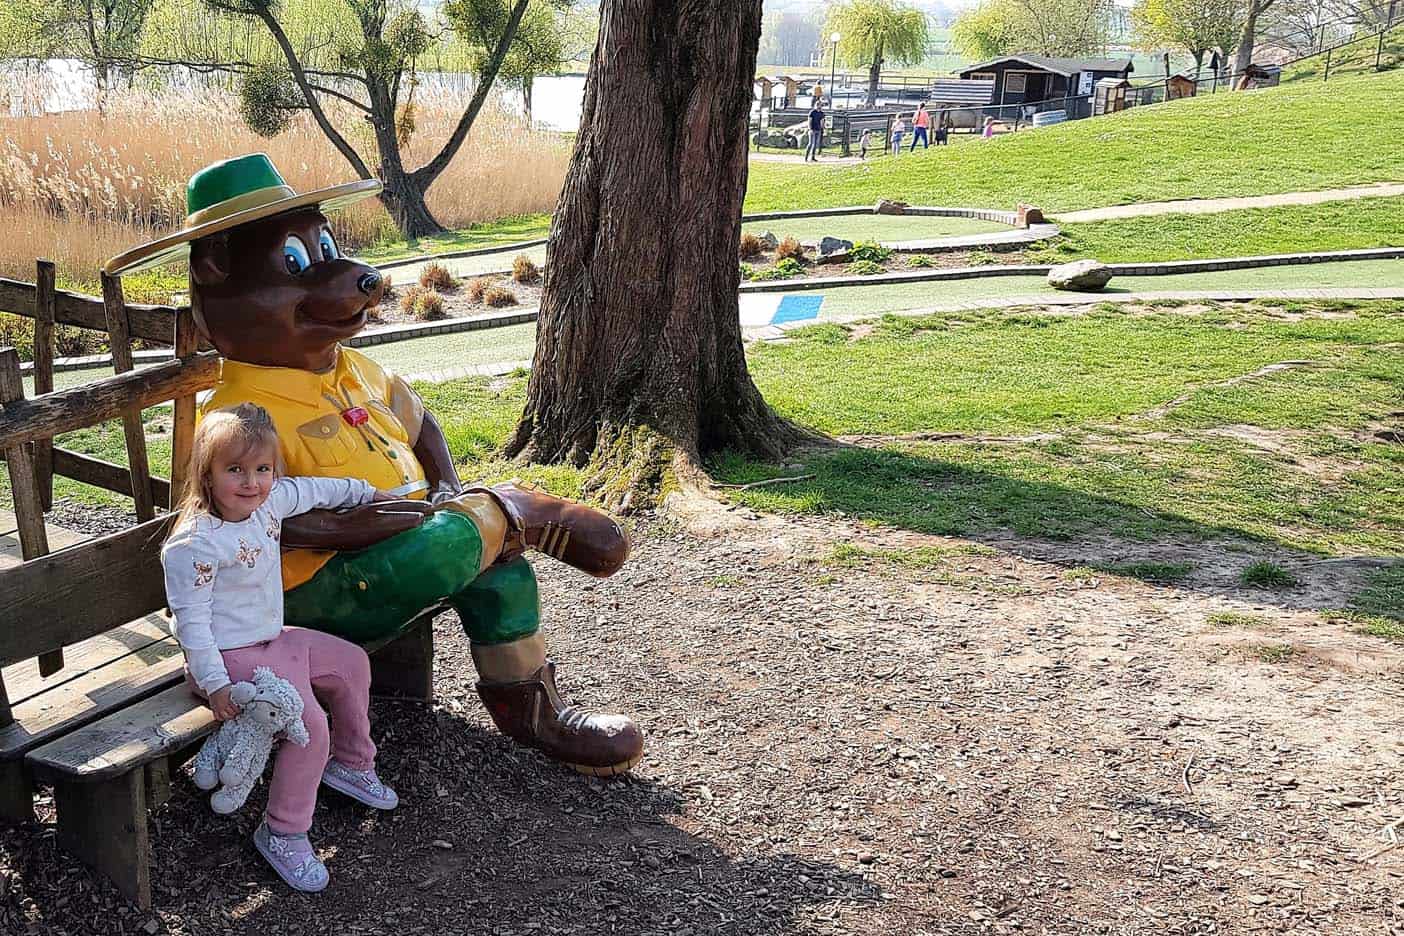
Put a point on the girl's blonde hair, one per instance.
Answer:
(232, 432)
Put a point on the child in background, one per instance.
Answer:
(989, 128)
(898, 128)
(865, 141)
(224, 585)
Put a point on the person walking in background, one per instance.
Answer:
(898, 129)
(989, 129)
(865, 141)
(921, 120)
(816, 134)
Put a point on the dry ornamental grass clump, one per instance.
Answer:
(751, 247)
(437, 276)
(407, 298)
(524, 270)
(499, 296)
(428, 306)
(789, 247)
(476, 288)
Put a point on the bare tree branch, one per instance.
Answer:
(426, 174)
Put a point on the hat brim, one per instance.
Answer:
(176, 245)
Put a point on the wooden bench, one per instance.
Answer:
(92, 693)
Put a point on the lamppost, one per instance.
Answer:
(833, 65)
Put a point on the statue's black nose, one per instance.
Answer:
(368, 282)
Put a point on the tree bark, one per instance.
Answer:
(875, 75)
(1246, 43)
(640, 371)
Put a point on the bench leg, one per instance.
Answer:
(104, 825)
(16, 792)
(158, 782)
(404, 668)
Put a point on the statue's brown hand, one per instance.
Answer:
(356, 528)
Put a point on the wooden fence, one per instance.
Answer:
(29, 425)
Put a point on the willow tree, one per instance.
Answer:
(872, 32)
(639, 370)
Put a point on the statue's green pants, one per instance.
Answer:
(376, 592)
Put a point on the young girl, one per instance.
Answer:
(865, 141)
(898, 128)
(224, 585)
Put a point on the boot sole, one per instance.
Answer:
(613, 770)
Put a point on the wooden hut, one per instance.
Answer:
(1028, 79)
(1180, 86)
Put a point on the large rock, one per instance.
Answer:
(888, 207)
(769, 240)
(834, 250)
(1080, 276)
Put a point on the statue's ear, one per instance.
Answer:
(209, 260)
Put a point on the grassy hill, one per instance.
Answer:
(1295, 137)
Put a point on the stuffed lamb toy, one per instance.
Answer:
(235, 755)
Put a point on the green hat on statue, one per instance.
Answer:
(227, 194)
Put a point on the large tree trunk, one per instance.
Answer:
(1249, 38)
(874, 76)
(405, 201)
(639, 369)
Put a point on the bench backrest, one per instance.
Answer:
(56, 599)
(82, 591)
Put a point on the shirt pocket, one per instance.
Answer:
(327, 441)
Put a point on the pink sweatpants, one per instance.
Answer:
(326, 669)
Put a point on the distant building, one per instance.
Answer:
(1026, 78)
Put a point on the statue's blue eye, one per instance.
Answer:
(295, 256)
(328, 243)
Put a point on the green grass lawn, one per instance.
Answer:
(871, 227)
(498, 233)
(1343, 225)
(1358, 58)
(1301, 136)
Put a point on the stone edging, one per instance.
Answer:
(1118, 269)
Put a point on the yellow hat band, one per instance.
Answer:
(255, 199)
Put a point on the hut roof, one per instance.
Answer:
(1060, 66)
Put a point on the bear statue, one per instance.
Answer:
(272, 292)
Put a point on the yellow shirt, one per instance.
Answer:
(314, 413)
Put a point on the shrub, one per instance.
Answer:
(865, 268)
(751, 247)
(524, 271)
(921, 260)
(789, 249)
(982, 258)
(476, 288)
(747, 271)
(428, 305)
(867, 250)
(498, 296)
(437, 276)
(784, 269)
(1266, 574)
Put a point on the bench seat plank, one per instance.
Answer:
(166, 722)
(24, 682)
(90, 697)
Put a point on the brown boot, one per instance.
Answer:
(579, 536)
(530, 711)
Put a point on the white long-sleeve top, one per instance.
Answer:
(224, 581)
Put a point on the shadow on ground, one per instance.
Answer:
(490, 838)
(1057, 523)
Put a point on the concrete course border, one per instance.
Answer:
(1118, 269)
(392, 333)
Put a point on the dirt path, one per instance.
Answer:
(979, 744)
(1215, 205)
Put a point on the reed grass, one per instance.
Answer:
(78, 187)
